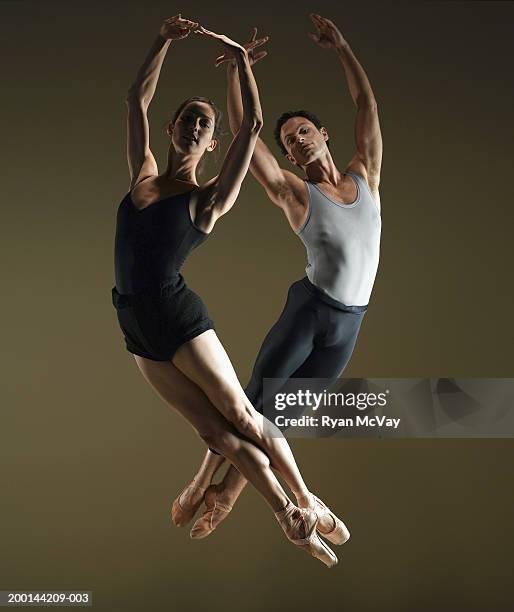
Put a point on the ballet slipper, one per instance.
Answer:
(215, 512)
(338, 533)
(329, 525)
(301, 521)
(181, 514)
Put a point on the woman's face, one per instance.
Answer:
(193, 129)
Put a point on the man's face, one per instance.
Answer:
(303, 141)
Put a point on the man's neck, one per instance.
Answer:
(323, 170)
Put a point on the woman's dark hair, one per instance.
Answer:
(218, 122)
(289, 115)
(218, 115)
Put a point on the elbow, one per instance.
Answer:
(257, 124)
(254, 124)
(132, 102)
(135, 95)
(367, 100)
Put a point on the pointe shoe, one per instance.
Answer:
(215, 512)
(339, 533)
(181, 515)
(292, 519)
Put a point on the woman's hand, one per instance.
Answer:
(327, 34)
(250, 47)
(230, 45)
(175, 28)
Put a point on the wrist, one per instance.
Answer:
(342, 47)
(161, 40)
(240, 53)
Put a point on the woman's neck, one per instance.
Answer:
(182, 170)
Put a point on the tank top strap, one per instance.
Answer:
(363, 184)
(310, 200)
(358, 177)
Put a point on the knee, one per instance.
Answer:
(263, 460)
(220, 440)
(234, 448)
(242, 416)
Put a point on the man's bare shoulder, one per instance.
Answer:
(371, 177)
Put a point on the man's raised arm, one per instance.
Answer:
(368, 138)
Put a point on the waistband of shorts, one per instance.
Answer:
(166, 288)
(322, 296)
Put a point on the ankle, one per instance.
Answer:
(292, 520)
(227, 495)
(199, 483)
(285, 510)
(306, 500)
(288, 515)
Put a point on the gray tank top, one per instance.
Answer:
(343, 243)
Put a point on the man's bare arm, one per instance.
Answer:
(368, 138)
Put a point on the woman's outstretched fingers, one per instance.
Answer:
(203, 31)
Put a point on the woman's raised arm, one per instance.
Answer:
(141, 161)
(223, 192)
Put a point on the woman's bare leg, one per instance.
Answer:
(189, 400)
(205, 362)
(229, 489)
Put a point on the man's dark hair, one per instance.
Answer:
(289, 115)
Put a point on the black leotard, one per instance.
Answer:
(156, 311)
(152, 244)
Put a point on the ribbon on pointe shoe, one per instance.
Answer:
(181, 515)
(338, 534)
(292, 519)
(215, 510)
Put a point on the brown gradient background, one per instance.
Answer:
(92, 458)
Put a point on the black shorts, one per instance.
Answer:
(156, 323)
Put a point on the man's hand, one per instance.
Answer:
(250, 47)
(327, 34)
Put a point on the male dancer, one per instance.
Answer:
(337, 216)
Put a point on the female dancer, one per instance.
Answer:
(166, 326)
